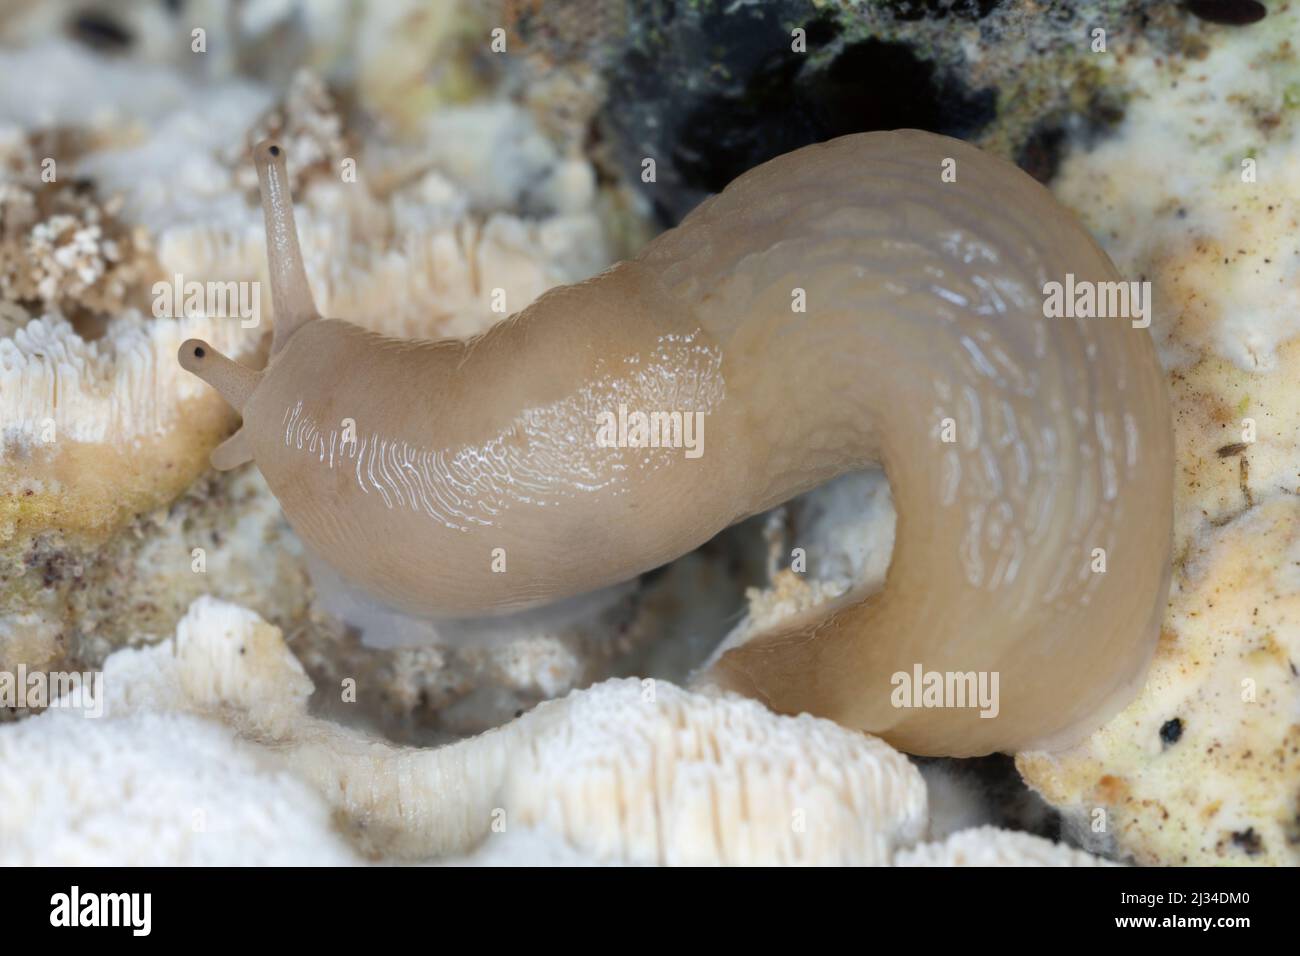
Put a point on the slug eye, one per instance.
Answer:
(196, 354)
(269, 151)
(235, 382)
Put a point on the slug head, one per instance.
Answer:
(235, 384)
(290, 296)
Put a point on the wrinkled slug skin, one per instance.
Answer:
(924, 302)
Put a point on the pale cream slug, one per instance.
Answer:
(844, 305)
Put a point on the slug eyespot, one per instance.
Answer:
(493, 442)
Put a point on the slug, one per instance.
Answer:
(841, 306)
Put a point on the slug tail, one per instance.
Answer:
(836, 663)
(290, 293)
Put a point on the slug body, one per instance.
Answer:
(837, 307)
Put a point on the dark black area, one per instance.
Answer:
(1171, 731)
(1006, 801)
(726, 135)
(98, 30)
(199, 352)
(709, 92)
(945, 906)
(1249, 841)
(1233, 13)
(1042, 152)
(821, 31)
(939, 9)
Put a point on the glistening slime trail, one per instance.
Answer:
(837, 307)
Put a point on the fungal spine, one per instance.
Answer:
(838, 307)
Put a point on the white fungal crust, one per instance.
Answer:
(114, 390)
(153, 789)
(989, 846)
(687, 779)
(96, 432)
(628, 771)
(93, 413)
(1203, 768)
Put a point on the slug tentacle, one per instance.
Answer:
(233, 381)
(845, 305)
(290, 294)
(234, 451)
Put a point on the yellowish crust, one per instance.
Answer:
(88, 490)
